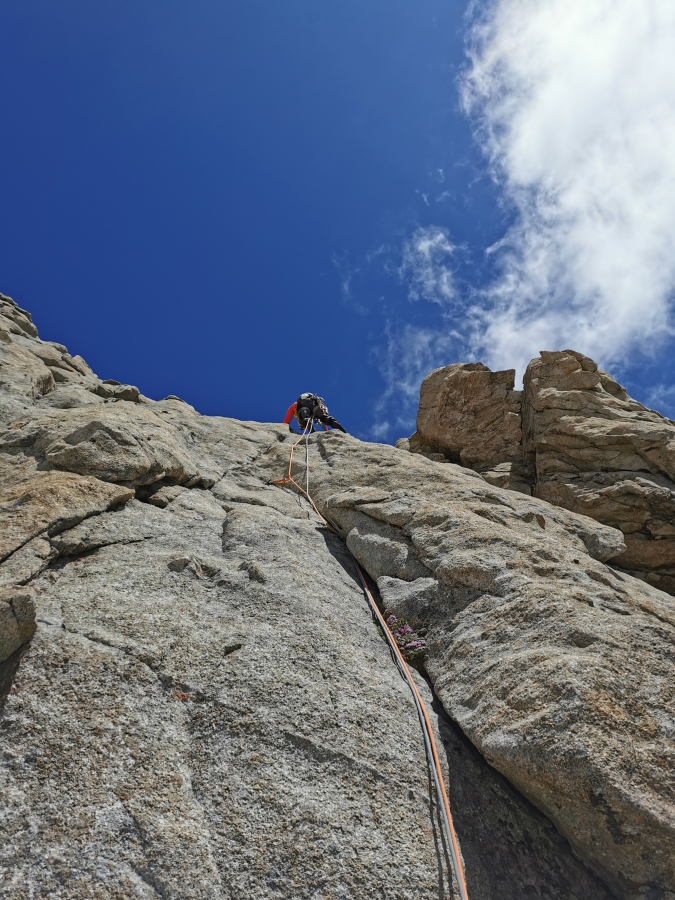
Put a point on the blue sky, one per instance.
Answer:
(238, 201)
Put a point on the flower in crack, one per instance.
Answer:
(411, 645)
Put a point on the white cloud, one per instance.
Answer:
(425, 266)
(380, 430)
(347, 274)
(574, 102)
(409, 355)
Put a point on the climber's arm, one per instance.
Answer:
(290, 412)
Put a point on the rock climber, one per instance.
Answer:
(310, 406)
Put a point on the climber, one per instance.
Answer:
(307, 407)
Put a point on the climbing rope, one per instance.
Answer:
(427, 731)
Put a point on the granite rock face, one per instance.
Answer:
(206, 709)
(533, 644)
(602, 454)
(31, 369)
(17, 620)
(472, 416)
(574, 437)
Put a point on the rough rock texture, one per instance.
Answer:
(584, 444)
(534, 644)
(472, 416)
(601, 453)
(31, 369)
(17, 620)
(207, 710)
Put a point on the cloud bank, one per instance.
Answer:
(574, 105)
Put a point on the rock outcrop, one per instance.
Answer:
(472, 412)
(472, 416)
(206, 709)
(572, 437)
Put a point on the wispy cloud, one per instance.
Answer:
(347, 273)
(662, 397)
(409, 351)
(574, 104)
(425, 266)
(380, 430)
(408, 354)
(382, 250)
(341, 263)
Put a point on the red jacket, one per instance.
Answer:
(290, 412)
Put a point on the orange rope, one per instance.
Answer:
(288, 478)
(454, 848)
(405, 671)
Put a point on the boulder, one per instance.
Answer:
(34, 503)
(123, 443)
(472, 413)
(473, 417)
(117, 391)
(16, 320)
(33, 371)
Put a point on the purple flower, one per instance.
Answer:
(416, 645)
(391, 620)
(406, 629)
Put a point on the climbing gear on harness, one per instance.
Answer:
(425, 723)
(311, 406)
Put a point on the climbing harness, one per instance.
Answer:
(429, 742)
